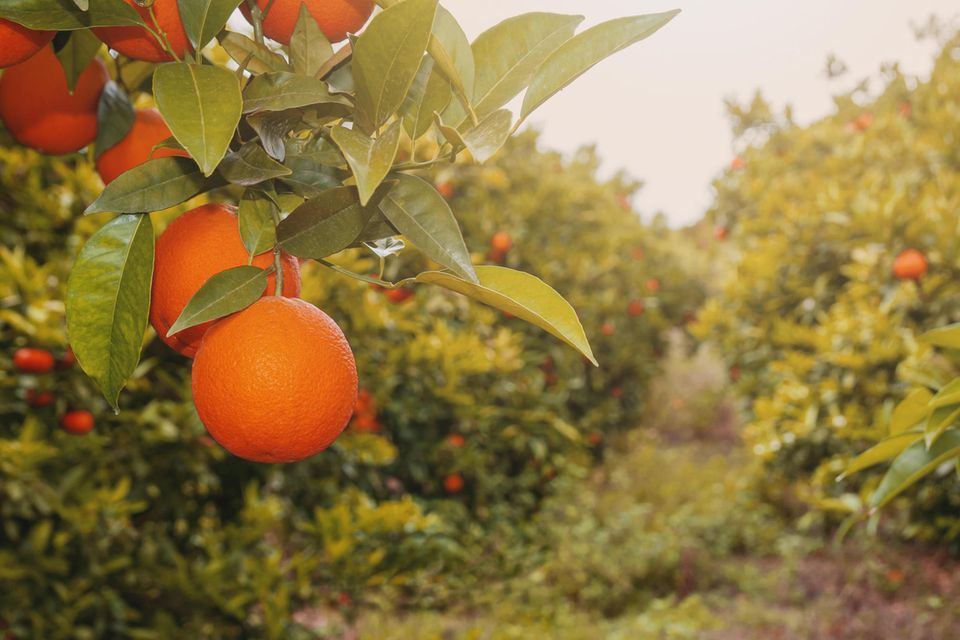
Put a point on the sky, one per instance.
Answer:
(663, 117)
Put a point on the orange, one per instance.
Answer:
(501, 242)
(40, 399)
(720, 232)
(910, 265)
(139, 44)
(199, 244)
(446, 190)
(276, 382)
(38, 109)
(336, 18)
(453, 483)
(607, 329)
(653, 285)
(398, 295)
(137, 146)
(635, 308)
(29, 360)
(77, 422)
(17, 43)
(457, 441)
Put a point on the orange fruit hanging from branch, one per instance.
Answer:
(336, 18)
(137, 146)
(138, 43)
(17, 43)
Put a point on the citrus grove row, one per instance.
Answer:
(302, 150)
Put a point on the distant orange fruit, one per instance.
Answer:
(456, 440)
(737, 163)
(40, 399)
(68, 360)
(910, 265)
(77, 422)
(863, 121)
(40, 112)
(197, 245)
(624, 202)
(136, 147)
(653, 285)
(453, 483)
(366, 423)
(30, 360)
(501, 242)
(17, 43)
(276, 382)
(139, 44)
(905, 109)
(398, 295)
(616, 392)
(595, 438)
(607, 329)
(336, 18)
(720, 232)
(446, 190)
(637, 253)
(635, 308)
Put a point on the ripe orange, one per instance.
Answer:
(366, 423)
(446, 190)
(399, 295)
(910, 265)
(17, 43)
(456, 440)
(607, 329)
(453, 483)
(139, 44)
(635, 308)
(501, 242)
(720, 232)
(38, 109)
(77, 422)
(40, 399)
(29, 360)
(336, 18)
(737, 163)
(653, 285)
(276, 382)
(137, 146)
(863, 121)
(197, 245)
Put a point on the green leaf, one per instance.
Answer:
(283, 90)
(913, 464)
(273, 127)
(452, 54)
(202, 105)
(257, 227)
(415, 208)
(429, 93)
(311, 174)
(369, 160)
(486, 138)
(65, 15)
(114, 117)
(108, 301)
(224, 293)
(387, 56)
(251, 165)
(257, 58)
(203, 19)
(947, 395)
(911, 410)
(522, 295)
(508, 54)
(76, 55)
(324, 225)
(939, 420)
(947, 337)
(155, 185)
(309, 48)
(449, 133)
(584, 50)
(884, 450)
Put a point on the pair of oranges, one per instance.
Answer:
(38, 362)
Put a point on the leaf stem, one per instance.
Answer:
(161, 36)
(359, 276)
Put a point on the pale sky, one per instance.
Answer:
(662, 113)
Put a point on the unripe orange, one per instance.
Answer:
(17, 43)
(276, 382)
(910, 265)
(148, 130)
(336, 18)
(29, 360)
(199, 244)
(40, 112)
(139, 44)
(77, 422)
(453, 483)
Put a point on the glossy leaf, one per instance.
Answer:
(202, 105)
(489, 136)
(76, 55)
(451, 52)
(155, 185)
(257, 214)
(309, 47)
(947, 395)
(429, 93)
(386, 58)
(508, 54)
(886, 449)
(65, 15)
(911, 410)
(369, 160)
(204, 19)
(108, 301)
(224, 293)
(272, 128)
(415, 208)
(324, 225)
(522, 295)
(114, 117)
(283, 90)
(253, 56)
(251, 165)
(584, 50)
(913, 464)
(938, 421)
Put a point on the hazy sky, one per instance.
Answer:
(663, 118)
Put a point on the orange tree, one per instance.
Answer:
(834, 225)
(116, 532)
